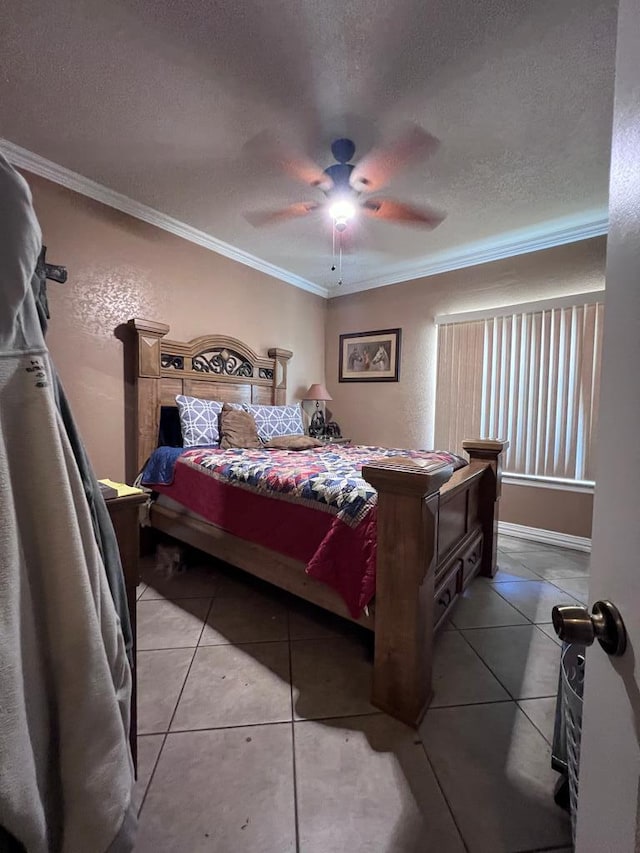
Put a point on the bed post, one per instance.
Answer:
(149, 333)
(488, 451)
(281, 357)
(408, 502)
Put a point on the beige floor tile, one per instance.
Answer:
(542, 713)
(495, 771)
(364, 784)
(459, 676)
(510, 568)
(535, 599)
(525, 661)
(140, 590)
(577, 587)
(149, 747)
(171, 624)
(194, 582)
(235, 583)
(251, 619)
(331, 677)
(547, 628)
(508, 543)
(558, 564)
(225, 791)
(582, 557)
(160, 678)
(514, 544)
(517, 545)
(307, 622)
(236, 686)
(481, 606)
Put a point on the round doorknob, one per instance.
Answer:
(574, 624)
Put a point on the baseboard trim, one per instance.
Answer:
(548, 537)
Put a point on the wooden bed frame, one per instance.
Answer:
(436, 529)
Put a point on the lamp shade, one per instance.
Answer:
(317, 392)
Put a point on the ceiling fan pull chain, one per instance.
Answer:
(337, 255)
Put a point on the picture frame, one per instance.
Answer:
(370, 356)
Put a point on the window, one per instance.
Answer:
(528, 373)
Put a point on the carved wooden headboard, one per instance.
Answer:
(213, 367)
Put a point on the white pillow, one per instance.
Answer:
(274, 421)
(199, 421)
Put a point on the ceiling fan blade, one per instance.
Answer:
(305, 170)
(397, 211)
(268, 148)
(259, 218)
(376, 168)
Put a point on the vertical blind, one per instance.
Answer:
(531, 377)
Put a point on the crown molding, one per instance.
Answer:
(24, 159)
(554, 232)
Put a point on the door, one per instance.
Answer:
(609, 799)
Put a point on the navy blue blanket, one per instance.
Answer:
(160, 468)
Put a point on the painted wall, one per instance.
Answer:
(550, 509)
(120, 268)
(402, 414)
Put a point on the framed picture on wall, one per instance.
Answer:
(370, 356)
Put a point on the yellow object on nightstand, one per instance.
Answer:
(121, 488)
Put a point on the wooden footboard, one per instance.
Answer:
(436, 531)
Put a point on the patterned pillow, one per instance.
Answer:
(273, 421)
(199, 420)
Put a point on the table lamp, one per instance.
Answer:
(317, 392)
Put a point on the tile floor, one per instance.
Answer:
(256, 732)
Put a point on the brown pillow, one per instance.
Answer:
(237, 429)
(293, 442)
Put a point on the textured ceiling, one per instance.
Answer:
(164, 102)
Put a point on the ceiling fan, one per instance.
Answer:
(347, 186)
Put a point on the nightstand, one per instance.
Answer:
(125, 518)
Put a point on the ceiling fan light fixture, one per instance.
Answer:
(341, 211)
